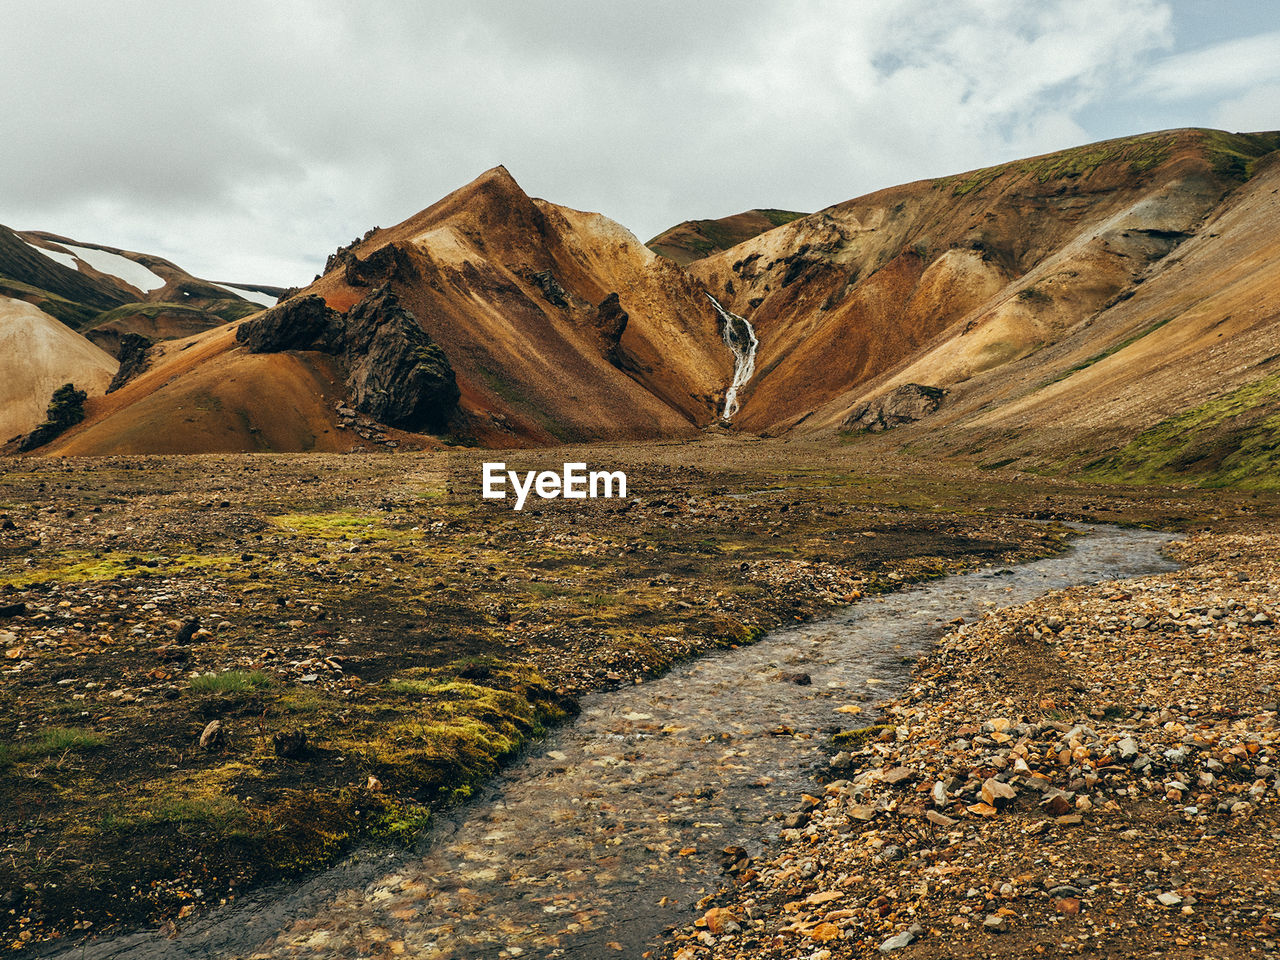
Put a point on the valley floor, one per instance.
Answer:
(220, 670)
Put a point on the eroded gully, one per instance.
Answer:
(610, 830)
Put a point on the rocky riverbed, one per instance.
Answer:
(1095, 774)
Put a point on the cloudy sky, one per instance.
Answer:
(246, 140)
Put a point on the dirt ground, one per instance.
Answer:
(220, 670)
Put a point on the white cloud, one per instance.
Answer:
(1225, 67)
(247, 145)
(1256, 110)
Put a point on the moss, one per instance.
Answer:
(464, 722)
(181, 815)
(81, 566)
(401, 822)
(854, 739)
(779, 217)
(329, 526)
(1235, 155)
(1113, 349)
(51, 742)
(1233, 440)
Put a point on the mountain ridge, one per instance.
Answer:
(988, 289)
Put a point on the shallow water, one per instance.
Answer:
(611, 829)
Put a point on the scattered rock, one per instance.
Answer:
(994, 923)
(213, 737)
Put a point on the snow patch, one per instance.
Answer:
(57, 256)
(134, 274)
(253, 296)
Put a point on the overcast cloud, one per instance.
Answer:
(245, 141)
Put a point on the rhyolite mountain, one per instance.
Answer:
(541, 324)
(1111, 307)
(1057, 308)
(68, 308)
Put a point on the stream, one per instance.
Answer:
(611, 829)
(740, 337)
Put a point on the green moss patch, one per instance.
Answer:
(855, 739)
(51, 743)
(230, 682)
(330, 526)
(1231, 441)
(80, 567)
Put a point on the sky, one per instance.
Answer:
(245, 141)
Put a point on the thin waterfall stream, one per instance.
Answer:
(740, 337)
(610, 830)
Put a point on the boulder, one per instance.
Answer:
(212, 737)
(303, 323)
(906, 404)
(611, 321)
(550, 288)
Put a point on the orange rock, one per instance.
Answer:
(824, 933)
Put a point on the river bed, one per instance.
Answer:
(611, 829)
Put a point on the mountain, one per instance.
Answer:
(105, 292)
(67, 306)
(555, 325)
(695, 239)
(1110, 310)
(37, 355)
(1055, 307)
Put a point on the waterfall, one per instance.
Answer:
(741, 339)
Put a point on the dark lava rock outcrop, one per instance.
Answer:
(907, 404)
(611, 322)
(132, 357)
(304, 323)
(66, 409)
(395, 372)
(398, 375)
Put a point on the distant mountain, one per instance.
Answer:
(65, 306)
(695, 239)
(105, 292)
(38, 354)
(1060, 305)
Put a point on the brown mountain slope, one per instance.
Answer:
(695, 239)
(203, 395)
(980, 269)
(519, 295)
(1179, 376)
(558, 325)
